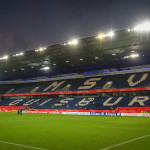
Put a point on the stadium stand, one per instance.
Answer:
(101, 73)
(134, 80)
(87, 103)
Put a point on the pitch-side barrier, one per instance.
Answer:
(122, 111)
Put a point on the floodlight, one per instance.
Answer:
(18, 54)
(4, 57)
(73, 42)
(131, 56)
(143, 27)
(69, 43)
(41, 49)
(101, 36)
(111, 34)
(65, 44)
(45, 68)
(129, 30)
(134, 55)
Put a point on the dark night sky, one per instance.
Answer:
(30, 24)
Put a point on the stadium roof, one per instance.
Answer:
(122, 48)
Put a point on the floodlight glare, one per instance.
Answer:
(69, 43)
(101, 36)
(40, 49)
(18, 54)
(134, 55)
(45, 68)
(111, 34)
(143, 27)
(129, 30)
(73, 42)
(131, 56)
(4, 57)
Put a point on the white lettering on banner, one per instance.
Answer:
(31, 102)
(55, 85)
(130, 80)
(139, 99)
(106, 103)
(66, 100)
(85, 101)
(15, 102)
(89, 83)
(45, 102)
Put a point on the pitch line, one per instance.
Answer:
(125, 142)
(21, 145)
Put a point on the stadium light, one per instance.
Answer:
(110, 34)
(134, 55)
(143, 27)
(101, 36)
(18, 54)
(40, 49)
(129, 30)
(131, 56)
(4, 57)
(73, 42)
(45, 68)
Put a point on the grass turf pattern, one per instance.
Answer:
(71, 132)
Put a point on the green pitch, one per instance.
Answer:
(70, 132)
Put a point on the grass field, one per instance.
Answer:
(70, 132)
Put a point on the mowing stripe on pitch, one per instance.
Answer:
(125, 142)
(21, 145)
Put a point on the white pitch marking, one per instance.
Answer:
(21, 145)
(125, 142)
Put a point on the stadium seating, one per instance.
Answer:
(89, 103)
(79, 84)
